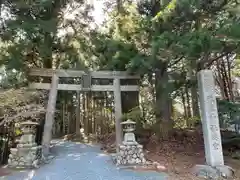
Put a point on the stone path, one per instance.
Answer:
(75, 161)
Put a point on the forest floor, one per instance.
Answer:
(176, 157)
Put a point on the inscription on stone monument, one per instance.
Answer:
(210, 120)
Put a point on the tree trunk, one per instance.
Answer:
(189, 112)
(184, 102)
(163, 103)
(230, 83)
(130, 100)
(194, 98)
(194, 90)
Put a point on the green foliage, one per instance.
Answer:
(32, 37)
(182, 123)
(118, 47)
(229, 113)
(129, 41)
(236, 68)
(172, 38)
(135, 115)
(166, 12)
(12, 79)
(18, 132)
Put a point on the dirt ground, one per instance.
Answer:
(179, 165)
(176, 157)
(4, 171)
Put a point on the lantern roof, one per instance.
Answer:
(128, 122)
(29, 123)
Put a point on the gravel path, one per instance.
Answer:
(82, 162)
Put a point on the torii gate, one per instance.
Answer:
(86, 85)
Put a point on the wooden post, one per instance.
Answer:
(49, 119)
(118, 111)
(78, 114)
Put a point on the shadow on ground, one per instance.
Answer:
(75, 161)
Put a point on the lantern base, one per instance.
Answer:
(130, 154)
(24, 157)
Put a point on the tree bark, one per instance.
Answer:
(130, 100)
(194, 90)
(189, 112)
(184, 102)
(194, 98)
(163, 102)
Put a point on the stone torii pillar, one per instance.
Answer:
(49, 119)
(118, 111)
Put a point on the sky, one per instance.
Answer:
(97, 13)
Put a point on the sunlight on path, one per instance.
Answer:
(82, 162)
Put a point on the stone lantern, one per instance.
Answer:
(130, 152)
(129, 128)
(27, 154)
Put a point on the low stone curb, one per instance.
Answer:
(149, 165)
(209, 172)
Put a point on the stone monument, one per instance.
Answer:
(211, 130)
(130, 152)
(27, 154)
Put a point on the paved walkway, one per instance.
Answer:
(82, 162)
